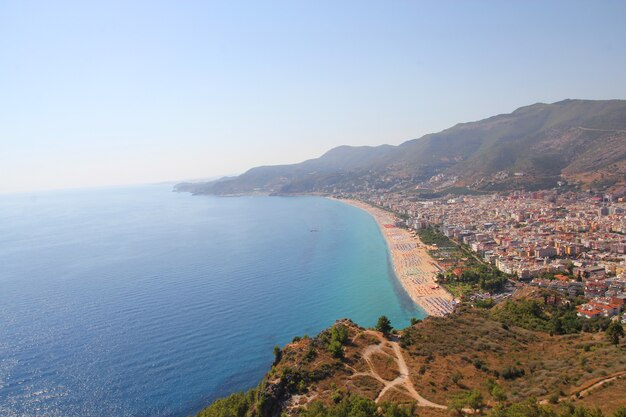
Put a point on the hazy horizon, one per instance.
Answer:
(146, 92)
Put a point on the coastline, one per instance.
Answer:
(413, 266)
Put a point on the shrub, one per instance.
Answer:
(339, 333)
(235, 405)
(336, 349)
(338, 337)
(457, 377)
(488, 303)
(498, 393)
(277, 354)
(614, 331)
(511, 372)
(351, 406)
(384, 325)
(310, 354)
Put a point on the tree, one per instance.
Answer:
(384, 325)
(615, 331)
(528, 408)
(339, 333)
(362, 407)
(557, 325)
(396, 410)
(471, 399)
(456, 377)
(498, 393)
(277, 354)
(338, 337)
(456, 404)
(475, 400)
(235, 405)
(335, 349)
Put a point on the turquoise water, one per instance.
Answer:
(142, 302)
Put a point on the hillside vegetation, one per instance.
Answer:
(475, 359)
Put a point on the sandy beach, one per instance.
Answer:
(412, 264)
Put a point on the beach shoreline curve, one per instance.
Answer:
(412, 264)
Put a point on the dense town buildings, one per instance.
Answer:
(567, 241)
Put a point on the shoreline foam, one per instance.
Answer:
(413, 266)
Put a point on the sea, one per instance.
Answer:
(139, 301)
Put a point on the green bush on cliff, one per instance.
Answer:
(356, 406)
(383, 325)
(339, 333)
(243, 405)
(337, 337)
(235, 405)
(470, 399)
(336, 349)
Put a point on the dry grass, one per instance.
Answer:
(460, 353)
(608, 397)
(385, 366)
(447, 356)
(364, 385)
(397, 396)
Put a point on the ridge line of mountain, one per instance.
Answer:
(581, 143)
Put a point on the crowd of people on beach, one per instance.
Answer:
(412, 264)
(416, 271)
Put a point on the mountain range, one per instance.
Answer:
(580, 143)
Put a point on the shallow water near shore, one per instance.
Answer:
(139, 301)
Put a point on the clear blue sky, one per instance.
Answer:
(115, 92)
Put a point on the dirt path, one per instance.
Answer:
(402, 382)
(586, 389)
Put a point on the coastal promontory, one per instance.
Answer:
(506, 360)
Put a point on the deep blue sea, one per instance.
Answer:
(139, 301)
